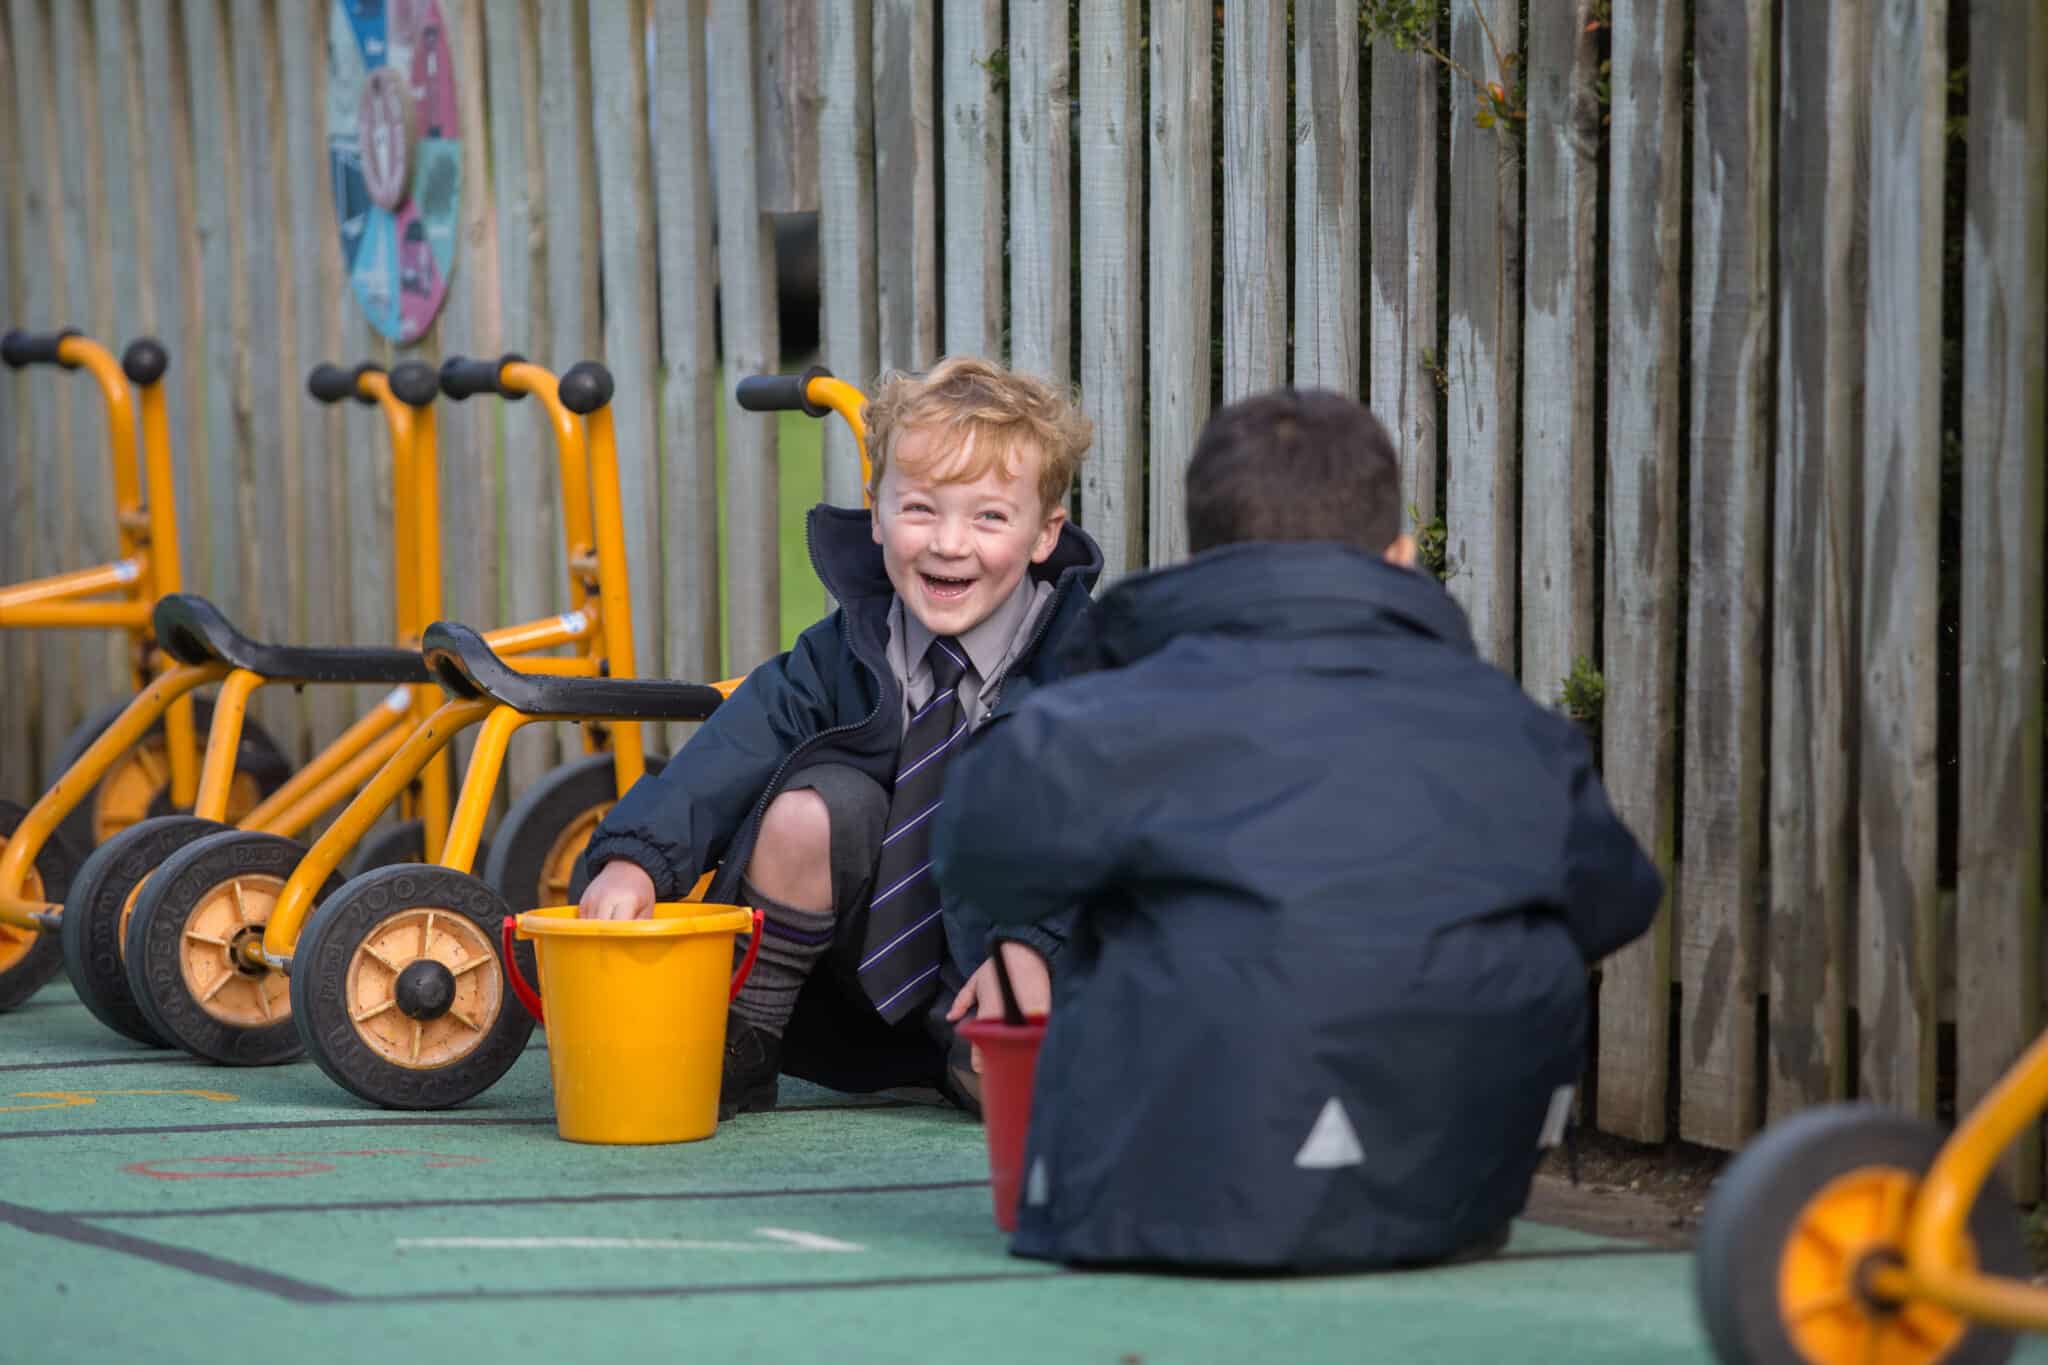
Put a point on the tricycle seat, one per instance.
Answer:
(195, 631)
(466, 667)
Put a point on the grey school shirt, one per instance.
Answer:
(991, 648)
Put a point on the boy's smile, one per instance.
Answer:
(955, 549)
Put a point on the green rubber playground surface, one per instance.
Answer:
(156, 1208)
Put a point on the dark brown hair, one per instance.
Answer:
(1294, 465)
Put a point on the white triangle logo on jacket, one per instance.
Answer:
(1332, 1143)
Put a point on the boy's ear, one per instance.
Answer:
(875, 523)
(1048, 534)
(1402, 551)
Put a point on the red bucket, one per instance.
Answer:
(1009, 1064)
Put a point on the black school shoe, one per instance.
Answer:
(753, 1059)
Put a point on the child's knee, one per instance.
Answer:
(792, 858)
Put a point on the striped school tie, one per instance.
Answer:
(905, 942)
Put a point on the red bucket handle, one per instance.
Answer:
(529, 997)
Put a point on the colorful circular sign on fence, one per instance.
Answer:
(394, 149)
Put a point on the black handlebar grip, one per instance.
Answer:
(415, 383)
(586, 388)
(34, 348)
(783, 392)
(332, 383)
(145, 361)
(462, 377)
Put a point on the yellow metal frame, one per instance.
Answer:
(365, 747)
(600, 624)
(123, 593)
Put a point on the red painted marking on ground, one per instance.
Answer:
(288, 1164)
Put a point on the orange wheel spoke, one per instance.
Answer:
(155, 764)
(466, 1020)
(426, 932)
(361, 1016)
(220, 983)
(194, 936)
(418, 1032)
(382, 961)
(466, 968)
(262, 995)
(1822, 1237)
(1820, 1305)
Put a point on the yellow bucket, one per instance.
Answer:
(635, 1016)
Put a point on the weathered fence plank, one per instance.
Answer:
(906, 179)
(1720, 954)
(1112, 281)
(214, 174)
(324, 529)
(1897, 926)
(2005, 300)
(1180, 267)
(1255, 192)
(976, 124)
(1041, 180)
(846, 224)
(18, 776)
(1404, 347)
(1563, 139)
(171, 303)
(469, 325)
(1483, 344)
(272, 503)
(1818, 529)
(1639, 726)
(689, 341)
(786, 104)
(625, 170)
(1326, 233)
(46, 538)
(532, 568)
(748, 324)
(87, 485)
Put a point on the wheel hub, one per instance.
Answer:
(1852, 1227)
(221, 954)
(425, 989)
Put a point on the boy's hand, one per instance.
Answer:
(621, 891)
(1030, 977)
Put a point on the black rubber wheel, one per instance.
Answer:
(1754, 1220)
(402, 842)
(29, 961)
(531, 863)
(399, 993)
(259, 757)
(183, 970)
(94, 917)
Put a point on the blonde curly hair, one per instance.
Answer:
(987, 417)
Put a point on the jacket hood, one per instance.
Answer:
(1271, 589)
(849, 563)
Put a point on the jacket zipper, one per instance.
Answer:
(1052, 606)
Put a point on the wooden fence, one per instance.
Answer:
(1714, 337)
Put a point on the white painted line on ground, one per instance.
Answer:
(778, 1239)
(809, 1241)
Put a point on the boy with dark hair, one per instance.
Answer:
(811, 790)
(1340, 884)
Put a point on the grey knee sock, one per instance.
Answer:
(792, 941)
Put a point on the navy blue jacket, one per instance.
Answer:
(832, 698)
(1328, 861)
